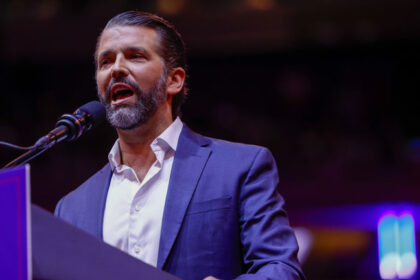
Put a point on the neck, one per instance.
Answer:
(135, 143)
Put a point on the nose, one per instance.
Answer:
(119, 69)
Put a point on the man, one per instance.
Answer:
(187, 204)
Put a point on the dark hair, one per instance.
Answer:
(170, 45)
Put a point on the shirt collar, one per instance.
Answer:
(171, 134)
(169, 137)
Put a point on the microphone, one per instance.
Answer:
(71, 126)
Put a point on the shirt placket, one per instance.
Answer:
(136, 240)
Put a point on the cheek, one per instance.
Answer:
(147, 78)
(101, 82)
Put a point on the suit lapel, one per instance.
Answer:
(190, 158)
(97, 206)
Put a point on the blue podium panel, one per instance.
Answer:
(62, 251)
(15, 246)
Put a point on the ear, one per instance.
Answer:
(175, 82)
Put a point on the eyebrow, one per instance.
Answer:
(129, 49)
(104, 53)
(137, 49)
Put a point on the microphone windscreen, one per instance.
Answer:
(96, 110)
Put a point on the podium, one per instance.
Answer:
(62, 251)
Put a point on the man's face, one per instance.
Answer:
(130, 75)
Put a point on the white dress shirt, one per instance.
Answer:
(134, 209)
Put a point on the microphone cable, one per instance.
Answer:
(16, 147)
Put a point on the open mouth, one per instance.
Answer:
(120, 92)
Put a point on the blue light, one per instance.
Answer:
(397, 248)
(407, 246)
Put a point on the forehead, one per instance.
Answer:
(119, 37)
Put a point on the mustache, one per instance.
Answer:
(122, 80)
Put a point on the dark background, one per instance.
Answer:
(330, 87)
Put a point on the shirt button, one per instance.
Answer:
(136, 249)
(137, 208)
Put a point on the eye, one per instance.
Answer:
(104, 62)
(137, 56)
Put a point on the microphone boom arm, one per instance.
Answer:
(44, 143)
(69, 127)
(26, 157)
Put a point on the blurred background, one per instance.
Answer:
(330, 87)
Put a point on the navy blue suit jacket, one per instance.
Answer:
(223, 214)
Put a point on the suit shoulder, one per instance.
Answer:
(224, 144)
(237, 150)
(84, 206)
(92, 185)
(219, 145)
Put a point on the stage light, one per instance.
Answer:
(396, 244)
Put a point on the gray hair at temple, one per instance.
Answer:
(170, 47)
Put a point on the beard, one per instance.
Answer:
(127, 117)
